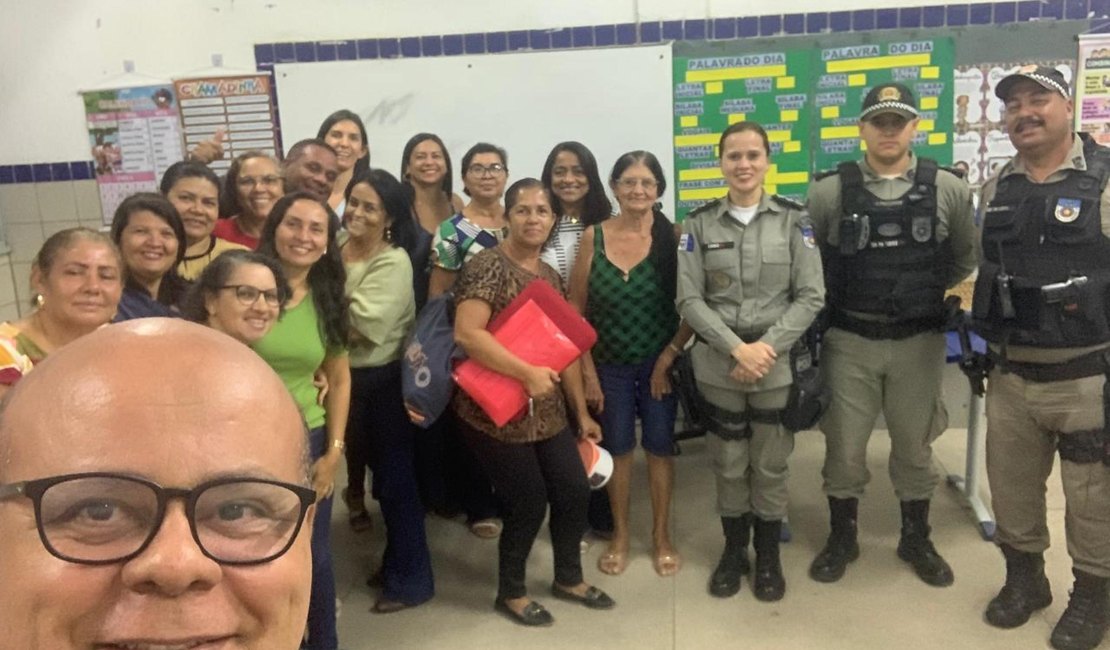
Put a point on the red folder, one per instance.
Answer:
(539, 327)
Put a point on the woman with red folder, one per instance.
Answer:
(532, 461)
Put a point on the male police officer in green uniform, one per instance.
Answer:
(895, 232)
(749, 284)
(1041, 300)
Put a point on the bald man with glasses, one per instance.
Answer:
(141, 508)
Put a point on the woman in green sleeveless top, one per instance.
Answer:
(624, 282)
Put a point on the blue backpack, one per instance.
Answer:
(429, 357)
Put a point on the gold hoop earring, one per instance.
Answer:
(39, 300)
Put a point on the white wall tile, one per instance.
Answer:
(19, 203)
(25, 239)
(56, 201)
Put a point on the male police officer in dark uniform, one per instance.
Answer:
(1041, 300)
(896, 231)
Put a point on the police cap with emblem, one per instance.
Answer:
(889, 98)
(1042, 75)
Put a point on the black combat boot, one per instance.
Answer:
(842, 547)
(1085, 620)
(1026, 589)
(734, 561)
(769, 585)
(915, 547)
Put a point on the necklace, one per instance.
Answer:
(571, 219)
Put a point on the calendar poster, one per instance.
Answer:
(133, 137)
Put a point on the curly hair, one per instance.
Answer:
(215, 276)
(326, 278)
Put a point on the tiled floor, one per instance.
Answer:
(879, 603)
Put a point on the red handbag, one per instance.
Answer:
(542, 329)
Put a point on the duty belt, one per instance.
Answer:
(884, 330)
(1087, 365)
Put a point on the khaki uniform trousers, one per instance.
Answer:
(1023, 420)
(751, 473)
(901, 378)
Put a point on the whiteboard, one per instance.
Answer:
(613, 100)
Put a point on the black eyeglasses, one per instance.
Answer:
(247, 294)
(478, 170)
(103, 518)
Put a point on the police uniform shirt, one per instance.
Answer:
(734, 280)
(955, 211)
(1074, 160)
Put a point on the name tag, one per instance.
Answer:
(718, 245)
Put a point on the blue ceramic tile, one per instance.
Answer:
(981, 14)
(389, 48)
(475, 43)
(265, 67)
(347, 50)
(957, 15)
(748, 27)
(326, 52)
(410, 47)
(840, 21)
(284, 53)
(1052, 9)
(794, 23)
(305, 52)
(932, 17)
(264, 53)
(672, 30)
(770, 25)
(909, 17)
(1029, 10)
(368, 48)
(886, 18)
(626, 34)
(605, 35)
(538, 39)
(431, 45)
(817, 22)
(724, 28)
(1100, 8)
(23, 174)
(1005, 12)
(518, 40)
(584, 36)
(40, 172)
(496, 42)
(60, 171)
(453, 44)
(863, 20)
(7, 174)
(694, 30)
(651, 32)
(560, 39)
(1075, 9)
(80, 170)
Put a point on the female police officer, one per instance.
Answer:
(749, 283)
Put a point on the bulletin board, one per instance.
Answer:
(808, 99)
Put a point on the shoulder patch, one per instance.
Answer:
(825, 174)
(805, 225)
(704, 208)
(788, 203)
(687, 243)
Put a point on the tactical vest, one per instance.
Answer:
(889, 261)
(1045, 273)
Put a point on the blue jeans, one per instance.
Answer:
(321, 605)
(627, 390)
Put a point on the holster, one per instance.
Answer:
(808, 397)
(736, 425)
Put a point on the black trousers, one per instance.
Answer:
(527, 477)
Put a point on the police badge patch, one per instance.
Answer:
(686, 243)
(922, 229)
(1067, 210)
(807, 236)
